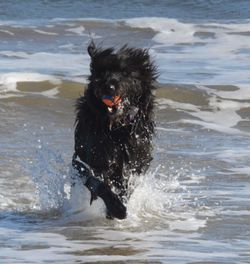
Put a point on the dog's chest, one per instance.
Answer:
(106, 149)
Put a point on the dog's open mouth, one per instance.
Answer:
(113, 103)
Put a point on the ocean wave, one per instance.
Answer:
(194, 52)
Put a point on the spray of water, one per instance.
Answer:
(151, 195)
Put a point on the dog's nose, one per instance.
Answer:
(111, 89)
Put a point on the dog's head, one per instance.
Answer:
(120, 81)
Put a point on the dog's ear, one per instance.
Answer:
(147, 68)
(92, 49)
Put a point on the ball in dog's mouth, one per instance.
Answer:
(113, 103)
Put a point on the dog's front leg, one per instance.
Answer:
(115, 207)
(97, 188)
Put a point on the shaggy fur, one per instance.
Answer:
(112, 142)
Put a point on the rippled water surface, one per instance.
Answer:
(192, 206)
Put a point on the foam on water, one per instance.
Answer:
(8, 81)
(243, 170)
(78, 30)
(220, 113)
(186, 52)
(45, 32)
(169, 31)
(211, 53)
(234, 155)
(52, 65)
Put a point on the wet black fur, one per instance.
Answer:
(113, 147)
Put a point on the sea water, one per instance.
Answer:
(192, 206)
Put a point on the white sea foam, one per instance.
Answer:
(8, 81)
(189, 224)
(34, 68)
(169, 31)
(77, 30)
(163, 102)
(221, 115)
(243, 170)
(207, 53)
(50, 93)
(242, 93)
(211, 53)
(233, 155)
(45, 32)
(7, 32)
(71, 65)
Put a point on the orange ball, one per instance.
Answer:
(110, 101)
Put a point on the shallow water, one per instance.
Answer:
(192, 206)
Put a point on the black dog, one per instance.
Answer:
(114, 123)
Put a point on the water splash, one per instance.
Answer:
(50, 174)
(158, 199)
(153, 197)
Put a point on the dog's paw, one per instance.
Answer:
(115, 208)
